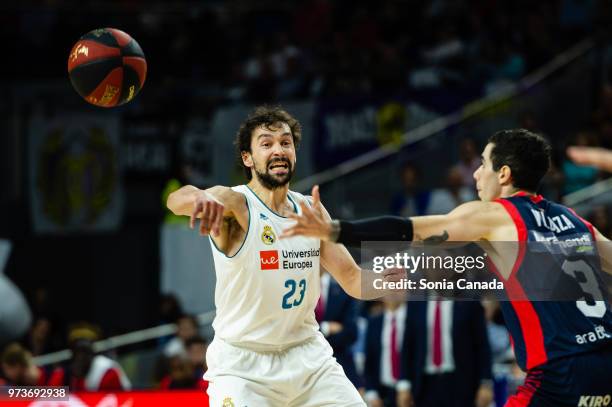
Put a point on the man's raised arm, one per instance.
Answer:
(210, 205)
(471, 221)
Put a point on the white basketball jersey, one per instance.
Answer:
(267, 292)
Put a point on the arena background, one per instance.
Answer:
(85, 236)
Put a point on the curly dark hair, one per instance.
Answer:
(269, 117)
(526, 153)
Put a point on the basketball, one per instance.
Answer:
(107, 67)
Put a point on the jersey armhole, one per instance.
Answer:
(586, 223)
(246, 235)
(521, 230)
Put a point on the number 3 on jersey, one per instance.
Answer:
(287, 298)
(591, 306)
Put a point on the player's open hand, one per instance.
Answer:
(312, 221)
(210, 211)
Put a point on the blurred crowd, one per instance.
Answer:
(371, 341)
(179, 358)
(414, 198)
(283, 50)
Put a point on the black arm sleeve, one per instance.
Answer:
(382, 228)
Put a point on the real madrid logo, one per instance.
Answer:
(227, 402)
(268, 236)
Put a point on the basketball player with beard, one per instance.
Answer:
(267, 349)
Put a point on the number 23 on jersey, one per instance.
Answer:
(291, 298)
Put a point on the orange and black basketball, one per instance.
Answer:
(107, 67)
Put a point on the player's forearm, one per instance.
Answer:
(180, 202)
(378, 229)
(351, 279)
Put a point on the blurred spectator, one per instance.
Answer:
(86, 371)
(260, 75)
(600, 218)
(469, 161)
(528, 120)
(444, 200)
(41, 301)
(18, 368)
(336, 313)
(313, 20)
(170, 309)
(579, 176)
(446, 347)
(443, 60)
(384, 338)
(39, 339)
(602, 116)
(196, 349)
(506, 66)
(411, 201)
(187, 328)
(451, 34)
(181, 375)
(501, 351)
(187, 373)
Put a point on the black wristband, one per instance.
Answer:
(379, 229)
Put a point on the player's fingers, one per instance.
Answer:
(316, 198)
(299, 219)
(218, 222)
(213, 218)
(194, 214)
(307, 211)
(205, 221)
(290, 231)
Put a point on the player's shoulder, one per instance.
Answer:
(234, 192)
(479, 208)
(489, 215)
(234, 198)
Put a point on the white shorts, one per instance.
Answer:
(305, 375)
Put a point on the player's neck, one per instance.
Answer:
(512, 191)
(508, 191)
(275, 199)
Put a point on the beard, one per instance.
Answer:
(272, 181)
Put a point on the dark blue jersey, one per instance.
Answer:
(558, 305)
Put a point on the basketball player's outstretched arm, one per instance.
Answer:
(212, 206)
(471, 221)
(595, 156)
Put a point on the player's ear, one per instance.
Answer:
(504, 175)
(247, 159)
